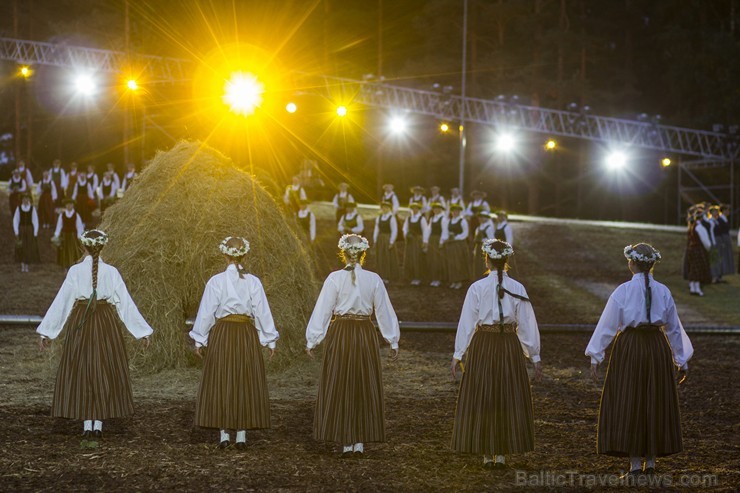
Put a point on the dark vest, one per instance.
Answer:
(456, 228)
(26, 217)
(500, 234)
(106, 188)
(56, 177)
(415, 227)
(437, 227)
(479, 233)
(69, 224)
(384, 226)
(305, 222)
(350, 223)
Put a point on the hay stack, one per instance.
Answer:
(164, 237)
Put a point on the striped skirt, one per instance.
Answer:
(639, 415)
(386, 263)
(69, 251)
(697, 265)
(458, 260)
(413, 257)
(436, 260)
(494, 407)
(28, 251)
(233, 391)
(350, 406)
(93, 378)
(46, 210)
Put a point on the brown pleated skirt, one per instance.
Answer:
(28, 251)
(350, 406)
(46, 209)
(494, 406)
(697, 265)
(93, 378)
(386, 261)
(726, 254)
(233, 390)
(639, 415)
(436, 261)
(413, 257)
(458, 260)
(69, 251)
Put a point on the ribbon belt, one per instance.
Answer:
(237, 318)
(502, 328)
(351, 316)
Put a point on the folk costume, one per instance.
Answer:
(724, 245)
(340, 201)
(639, 415)
(59, 177)
(92, 307)
(384, 239)
(307, 221)
(48, 200)
(456, 250)
(84, 198)
(67, 235)
(496, 332)
(438, 233)
(26, 230)
(294, 194)
(128, 179)
(484, 231)
(234, 321)
(698, 245)
(503, 231)
(351, 221)
(455, 199)
(110, 168)
(390, 196)
(107, 192)
(17, 186)
(350, 407)
(478, 204)
(25, 173)
(419, 198)
(71, 182)
(416, 232)
(434, 196)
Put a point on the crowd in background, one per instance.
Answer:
(709, 250)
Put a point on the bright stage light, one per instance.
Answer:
(551, 145)
(665, 162)
(291, 107)
(398, 125)
(85, 85)
(444, 128)
(25, 71)
(243, 93)
(505, 143)
(616, 160)
(342, 110)
(132, 85)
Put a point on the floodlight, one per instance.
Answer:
(342, 110)
(616, 160)
(85, 85)
(291, 107)
(243, 93)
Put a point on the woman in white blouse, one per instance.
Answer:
(93, 378)
(349, 407)
(496, 332)
(234, 321)
(639, 416)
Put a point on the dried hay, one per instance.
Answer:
(164, 236)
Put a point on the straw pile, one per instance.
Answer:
(164, 237)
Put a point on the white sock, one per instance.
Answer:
(224, 436)
(98, 425)
(487, 459)
(692, 289)
(347, 448)
(635, 464)
(359, 447)
(650, 463)
(87, 424)
(500, 459)
(241, 436)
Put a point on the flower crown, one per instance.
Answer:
(631, 254)
(488, 249)
(97, 241)
(358, 247)
(234, 251)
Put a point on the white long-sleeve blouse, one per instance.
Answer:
(78, 223)
(626, 308)
(78, 286)
(17, 219)
(339, 296)
(228, 294)
(393, 225)
(481, 308)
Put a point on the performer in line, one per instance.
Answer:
(438, 233)
(307, 221)
(84, 198)
(59, 177)
(47, 192)
(340, 200)
(67, 235)
(496, 332)
(503, 229)
(234, 321)
(108, 191)
(93, 303)
(129, 177)
(92, 177)
(26, 229)
(17, 186)
(477, 205)
(351, 221)
(455, 198)
(350, 406)
(111, 168)
(294, 193)
(25, 173)
(416, 233)
(384, 240)
(484, 231)
(418, 197)
(434, 196)
(390, 196)
(698, 246)
(456, 248)
(724, 242)
(639, 416)
(71, 182)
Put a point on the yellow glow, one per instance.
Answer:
(25, 71)
(132, 85)
(665, 162)
(342, 110)
(291, 108)
(243, 93)
(551, 145)
(443, 127)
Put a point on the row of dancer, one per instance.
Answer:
(497, 332)
(709, 251)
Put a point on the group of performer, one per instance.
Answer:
(709, 250)
(67, 200)
(497, 332)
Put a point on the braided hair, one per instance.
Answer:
(94, 251)
(645, 264)
(351, 259)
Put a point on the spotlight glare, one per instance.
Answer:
(616, 160)
(85, 85)
(291, 107)
(551, 145)
(665, 162)
(505, 143)
(398, 125)
(25, 71)
(243, 93)
(132, 85)
(444, 128)
(342, 111)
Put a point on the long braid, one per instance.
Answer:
(240, 268)
(95, 253)
(648, 294)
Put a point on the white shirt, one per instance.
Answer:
(455, 200)
(339, 296)
(108, 183)
(20, 183)
(78, 223)
(455, 220)
(17, 219)
(228, 294)
(392, 198)
(78, 286)
(62, 175)
(508, 232)
(357, 229)
(626, 308)
(83, 187)
(481, 308)
(443, 225)
(420, 199)
(439, 199)
(312, 222)
(394, 227)
(52, 187)
(482, 204)
(92, 179)
(127, 179)
(425, 228)
(342, 195)
(26, 175)
(295, 189)
(116, 179)
(485, 230)
(704, 237)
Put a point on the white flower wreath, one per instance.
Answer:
(358, 247)
(97, 241)
(631, 254)
(234, 251)
(487, 248)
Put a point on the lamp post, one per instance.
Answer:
(463, 140)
